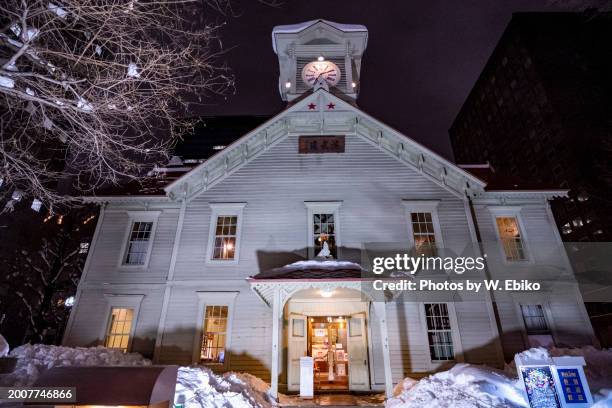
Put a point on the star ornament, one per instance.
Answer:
(311, 106)
(331, 106)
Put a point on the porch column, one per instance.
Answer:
(381, 314)
(276, 307)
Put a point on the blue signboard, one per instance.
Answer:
(540, 386)
(571, 384)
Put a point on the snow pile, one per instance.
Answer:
(32, 360)
(133, 70)
(6, 82)
(4, 346)
(463, 386)
(199, 387)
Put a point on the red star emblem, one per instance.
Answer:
(311, 106)
(330, 106)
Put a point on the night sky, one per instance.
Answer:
(422, 59)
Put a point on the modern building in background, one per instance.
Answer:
(541, 111)
(253, 258)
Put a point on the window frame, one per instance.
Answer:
(527, 299)
(422, 206)
(321, 207)
(117, 301)
(456, 338)
(220, 210)
(205, 299)
(548, 330)
(511, 212)
(133, 217)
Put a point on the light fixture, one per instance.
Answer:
(311, 320)
(287, 84)
(321, 58)
(353, 84)
(329, 319)
(326, 293)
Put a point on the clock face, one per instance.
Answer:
(321, 69)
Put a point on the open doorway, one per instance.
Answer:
(327, 344)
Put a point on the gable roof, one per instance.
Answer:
(299, 27)
(344, 118)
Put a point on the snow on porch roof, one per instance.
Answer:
(313, 269)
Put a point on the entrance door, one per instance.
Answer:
(297, 347)
(357, 347)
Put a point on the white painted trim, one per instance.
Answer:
(161, 326)
(430, 206)
(319, 207)
(177, 240)
(127, 301)
(218, 210)
(511, 211)
(138, 216)
(455, 334)
(216, 298)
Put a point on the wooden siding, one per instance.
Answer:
(371, 184)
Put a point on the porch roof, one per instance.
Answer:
(313, 269)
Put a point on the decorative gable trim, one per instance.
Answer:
(342, 118)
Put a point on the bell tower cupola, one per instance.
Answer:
(319, 53)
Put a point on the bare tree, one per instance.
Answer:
(37, 284)
(97, 89)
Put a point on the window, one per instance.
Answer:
(323, 228)
(225, 237)
(424, 226)
(138, 243)
(324, 231)
(535, 322)
(119, 328)
(439, 332)
(423, 233)
(214, 334)
(510, 236)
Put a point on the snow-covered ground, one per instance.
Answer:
(463, 386)
(197, 387)
(472, 386)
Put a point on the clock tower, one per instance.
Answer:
(319, 53)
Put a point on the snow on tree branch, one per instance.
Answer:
(96, 89)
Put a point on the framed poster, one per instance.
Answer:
(540, 386)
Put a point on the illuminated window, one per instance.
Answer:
(119, 328)
(225, 237)
(510, 235)
(214, 334)
(577, 222)
(138, 243)
(324, 230)
(439, 332)
(423, 233)
(83, 247)
(224, 233)
(535, 322)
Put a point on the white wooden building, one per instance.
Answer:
(183, 275)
